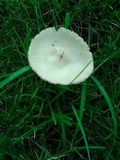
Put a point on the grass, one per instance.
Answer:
(41, 121)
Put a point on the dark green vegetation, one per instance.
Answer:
(40, 121)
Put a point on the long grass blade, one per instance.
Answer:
(111, 108)
(82, 102)
(82, 131)
(82, 107)
(14, 75)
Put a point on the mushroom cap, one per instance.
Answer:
(60, 57)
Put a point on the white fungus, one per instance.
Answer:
(60, 57)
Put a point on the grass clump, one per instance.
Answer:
(40, 121)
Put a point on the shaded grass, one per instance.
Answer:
(37, 120)
(82, 131)
(13, 76)
(111, 108)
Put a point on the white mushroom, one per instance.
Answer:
(60, 57)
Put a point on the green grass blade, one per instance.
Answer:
(82, 131)
(53, 115)
(56, 3)
(32, 130)
(67, 20)
(14, 75)
(106, 60)
(82, 106)
(107, 98)
(82, 102)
